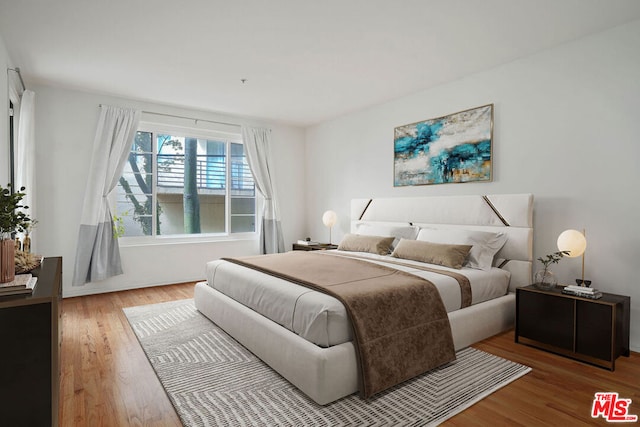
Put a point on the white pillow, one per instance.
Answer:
(485, 244)
(408, 232)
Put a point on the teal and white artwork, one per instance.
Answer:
(452, 148)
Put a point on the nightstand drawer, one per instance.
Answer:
(593, 327)
(546, 320)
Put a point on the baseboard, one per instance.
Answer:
(79, 291)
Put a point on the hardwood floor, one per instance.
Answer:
(557, 392)
(106, 379)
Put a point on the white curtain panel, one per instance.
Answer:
(98, 254)
(25, 155)
(257, 143)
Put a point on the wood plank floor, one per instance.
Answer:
(106, 379)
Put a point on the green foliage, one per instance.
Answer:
(12, 216)
(118, 225)
(552, 258)
(165, 140)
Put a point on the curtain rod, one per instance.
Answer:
(17, 71)
(191, 118)
(188, 118)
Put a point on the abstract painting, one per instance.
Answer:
(452, 148)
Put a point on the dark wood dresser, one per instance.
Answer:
(30, 353)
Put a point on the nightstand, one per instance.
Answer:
(593, 331)
(318, 247)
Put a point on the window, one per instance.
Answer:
(180, 181)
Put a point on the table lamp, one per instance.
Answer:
(329, 219)
(575, 243)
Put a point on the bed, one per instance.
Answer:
(301, 333)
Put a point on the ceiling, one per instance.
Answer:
(304, 61)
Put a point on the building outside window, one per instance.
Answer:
(183, 182)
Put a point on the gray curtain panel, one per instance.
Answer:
(97, 253)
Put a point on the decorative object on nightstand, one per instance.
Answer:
(545, 279)
(582, 291)
(307, 241)
(329, 219)
(575, 243)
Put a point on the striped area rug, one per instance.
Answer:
(214, 381)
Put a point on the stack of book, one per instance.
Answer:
(582, 291)
(22, 284)
(307, 242)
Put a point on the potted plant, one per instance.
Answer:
(12, 219)
(545, 278)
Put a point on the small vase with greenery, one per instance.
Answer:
(13, 219)
(545, 278)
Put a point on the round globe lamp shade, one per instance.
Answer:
(572, 241)
(329, 218)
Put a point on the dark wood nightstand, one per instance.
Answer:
(318, 247)
(593, 331)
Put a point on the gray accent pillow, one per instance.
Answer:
(452, 256)
(374, 244)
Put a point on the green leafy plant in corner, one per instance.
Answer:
(12, 216)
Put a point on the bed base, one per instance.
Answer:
(327, 374)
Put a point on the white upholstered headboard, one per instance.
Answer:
(509, 213)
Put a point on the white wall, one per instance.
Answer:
(65, 128)
(566, 128)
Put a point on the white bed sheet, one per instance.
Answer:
(322, 319)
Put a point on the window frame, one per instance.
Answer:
(200, 133)
(12, 149)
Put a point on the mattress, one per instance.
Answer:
(322, 319)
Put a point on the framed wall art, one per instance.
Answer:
(452, 148)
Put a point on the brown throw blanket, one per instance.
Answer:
(400, 325)
(466, 296)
